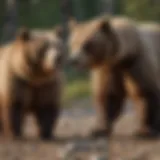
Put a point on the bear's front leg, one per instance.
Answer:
(47, 119)
(17, 116)
(108, 113)
(109, 104)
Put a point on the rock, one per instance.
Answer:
(98, 157)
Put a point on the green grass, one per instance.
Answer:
(77, 89)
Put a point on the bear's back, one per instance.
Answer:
(127, 34)
(139, 39)
(150, 35)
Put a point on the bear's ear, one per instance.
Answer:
(59, 30)
(23, 34)
(72, 23)
(105, 26)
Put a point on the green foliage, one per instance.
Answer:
(2, 13)
(39, 13)
(77, 89)
(46, 13)
(77, 85)
(142, 9)
(85, 9)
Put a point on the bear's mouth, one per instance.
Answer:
(82, 67)
(78, 63)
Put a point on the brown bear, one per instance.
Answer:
(122, 57)
(31, 79)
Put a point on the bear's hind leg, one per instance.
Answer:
(147, 94)
(153, 108)
(147, 109)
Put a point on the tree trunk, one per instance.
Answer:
(66, 13)
(10, 22)
(107, 6)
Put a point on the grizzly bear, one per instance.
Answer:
(31, 79)
(122, 57)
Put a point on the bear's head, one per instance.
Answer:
(92, 43)
(36, 58)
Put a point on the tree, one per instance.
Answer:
(107, 6)
(142, 9)
(66, 14)
(11, 21)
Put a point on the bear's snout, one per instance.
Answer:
(73, 61)
(59, 59)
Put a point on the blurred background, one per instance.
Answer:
(45, 14)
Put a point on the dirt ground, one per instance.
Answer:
(73, 144)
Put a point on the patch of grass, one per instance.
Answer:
(77, 89)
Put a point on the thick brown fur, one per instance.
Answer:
(31, 79)
(123, 59)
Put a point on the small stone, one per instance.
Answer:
(101, 145)
(98, 157)
(67, 152)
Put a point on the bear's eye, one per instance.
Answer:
(43, 49)
(89, 46)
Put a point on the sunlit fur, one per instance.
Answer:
(31, 78)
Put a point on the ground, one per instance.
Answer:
(72, 130)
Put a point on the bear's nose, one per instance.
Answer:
(59, 59)
(73, 61)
